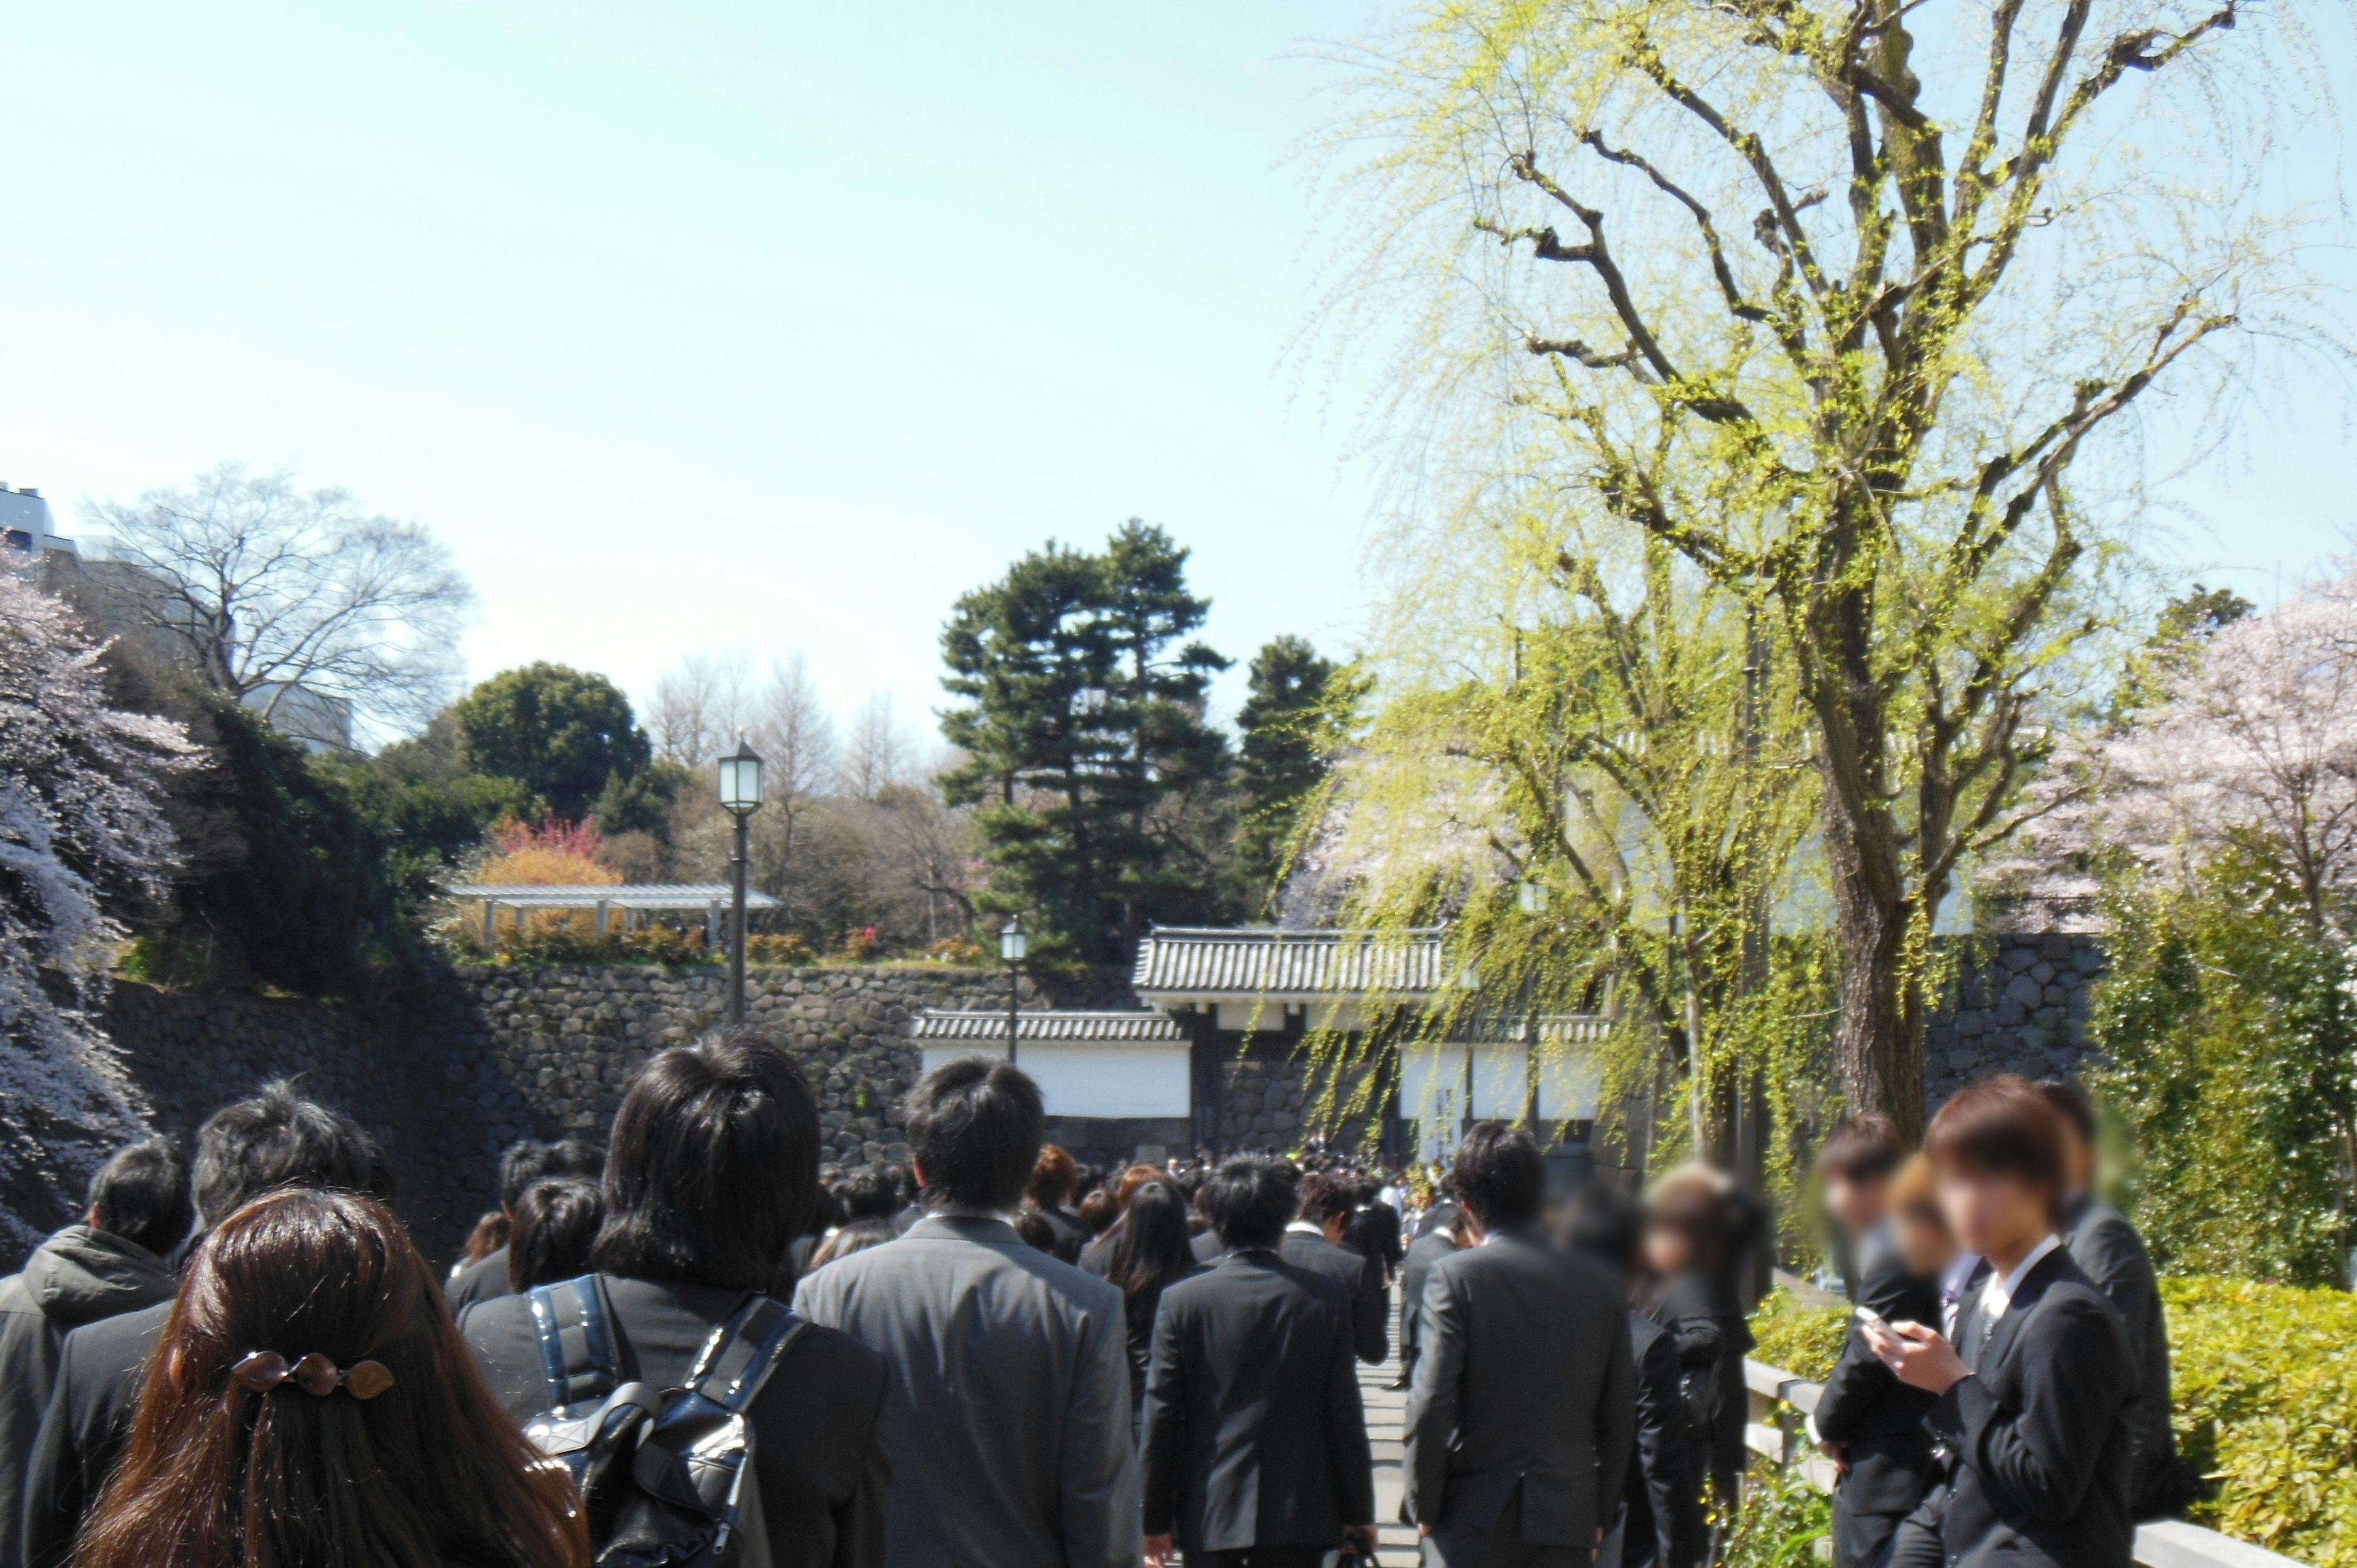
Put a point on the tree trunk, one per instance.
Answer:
(1879, 1040)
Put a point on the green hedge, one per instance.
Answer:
(2265, 1379)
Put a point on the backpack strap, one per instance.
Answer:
(742, 1353)
(577, 1340)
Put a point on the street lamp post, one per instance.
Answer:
(740, 796)
(1013, 944)
(1530, 896)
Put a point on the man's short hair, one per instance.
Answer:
(1323, 1197)
(713, 1168)
(1865, 1146)
(278, 1139)
(142, 1194)
(1250, 1200)
(975, 1126)
(1052, 1176)
(2071, 1102)
(528, 1160)
(873, 1193)
(1499, 1175)
(1999, 1126)
(1604, 1222)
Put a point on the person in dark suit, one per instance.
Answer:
(527, 1160)
(1660, 1523)
(136, 1210)
(712, 1176)
(1009, 1370)
(2037, 1405)
(1866, 1421)
(2112, 1255)
(277, 1138)
(1314, 1241)
(1684, 1263)
(1425, 1251)
(1522, 1419)
(1150, 1255)
(1255, 1443)
(1050, 1196)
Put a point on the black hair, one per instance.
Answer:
(870, 1194)
(2071, 1103)
(1499, 1175)
(714, 1165)
(1250, 1199)
(1150, 1249)
(1604, 1222)
(528, 1160)
(556, 1224)
(142, 1194)
(1865, 1146)
(1325, 1197)
(1999, 1126)
(279, 1139)
(857, 1237)
(975, 1127)
(1036, 1233)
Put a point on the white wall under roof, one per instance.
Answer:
(1089, 1080)
(1432, 1083)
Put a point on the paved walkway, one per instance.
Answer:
(1397, 1548)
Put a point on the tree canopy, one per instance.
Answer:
(565, 735)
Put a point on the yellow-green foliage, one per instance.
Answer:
(2265, 1385)
(2265, 1395)
(1803, 1340)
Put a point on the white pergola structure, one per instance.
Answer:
(630, 899)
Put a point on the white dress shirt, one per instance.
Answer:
(1998, 1294)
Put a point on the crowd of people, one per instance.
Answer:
(687, 1347)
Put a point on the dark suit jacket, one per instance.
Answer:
(1371, 1330)
(1071, 1234)
(1524, 1383)
(1009, 1415)
(485, 1278)
(2041, 1431)
(819, 1455)
(1865, 1407)
(1687, 1309)
(1253, 1432)
(1422, 1254)
(99, 1375)
(1663, 1524)
(2112, 1255)
(1208, 1248)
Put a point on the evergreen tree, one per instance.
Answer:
(1084, 740)
(1298, 711)
(563, 734)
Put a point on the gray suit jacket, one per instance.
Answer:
(1524, 1384)
(1007, 1413)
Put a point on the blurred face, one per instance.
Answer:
(2078, 1157)
(1667, 1252)
(1923, 1241)
(1993, 1214)
(1857, 1203)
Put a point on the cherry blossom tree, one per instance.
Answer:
(82, 834)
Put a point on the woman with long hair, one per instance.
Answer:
(311, 1406)
(1151, 1252)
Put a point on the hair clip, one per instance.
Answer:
(314, 1374)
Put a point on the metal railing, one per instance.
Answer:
(1779, 1400)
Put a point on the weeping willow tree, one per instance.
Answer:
(1599, 801)
(1850, 307)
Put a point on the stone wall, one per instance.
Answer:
(2015, 1003)
(502, 1053)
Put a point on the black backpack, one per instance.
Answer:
(663, 1473)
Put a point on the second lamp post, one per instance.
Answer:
(1012, 946)
(740, 796)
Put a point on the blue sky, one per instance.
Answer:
(751, 326)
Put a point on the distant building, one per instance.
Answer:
(27, 532)
(320, 722)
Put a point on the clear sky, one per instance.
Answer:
(749, 325)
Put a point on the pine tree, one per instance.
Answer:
(1296, 712)
(1084, 740)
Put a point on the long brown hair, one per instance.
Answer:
(428, 1473)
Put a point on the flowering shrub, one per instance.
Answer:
(960, 949)
(784, 948)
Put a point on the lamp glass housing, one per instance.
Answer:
(740, 779)
(1013, 942)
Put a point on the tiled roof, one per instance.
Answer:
(1185, 960)
(618, 895)
(1050, 1025)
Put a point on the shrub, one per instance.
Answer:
(787, 948)
(2265, 1386)
(958, 949)
(1782, 1521)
